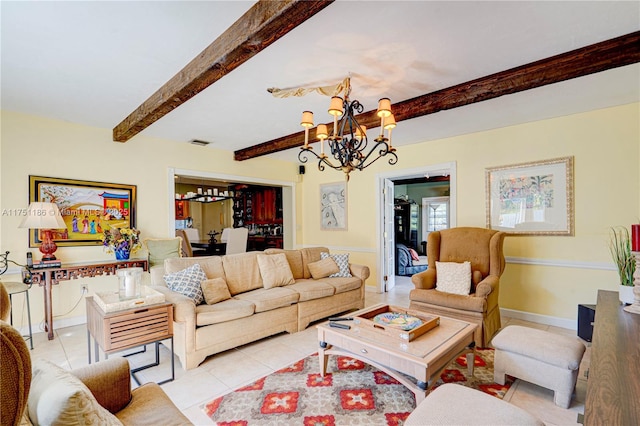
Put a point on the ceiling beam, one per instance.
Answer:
(257, 29)
(617, 52)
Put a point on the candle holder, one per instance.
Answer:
(130, 283)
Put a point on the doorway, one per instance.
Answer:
(385, 199)
(287, 196)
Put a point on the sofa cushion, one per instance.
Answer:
(294, 257)
(187, 282)
(227, 310)
(312, 289)
(268, 299)
(215, 290)
(343, 284)
(309, 255)
(414, 255)
(454, 278)
(323, 268)
(211, 265)
(342, 260)
(452, 301)
(275, 270)
(58, 397)
(242, 272)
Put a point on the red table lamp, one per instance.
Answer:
(47, 217)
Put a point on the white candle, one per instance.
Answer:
(129, 285)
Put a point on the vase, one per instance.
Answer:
(625, 293)
(122, 253)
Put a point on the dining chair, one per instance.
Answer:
(225, 235)
(186, 245)
(237, 240)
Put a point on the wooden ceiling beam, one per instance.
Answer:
(613, 53)
(257, 29)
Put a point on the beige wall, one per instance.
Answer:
(38, 146)
(563, 271)
(605, 144)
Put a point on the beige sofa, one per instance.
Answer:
(254, 312)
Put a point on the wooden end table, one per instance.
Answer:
(424, 358)
(130, 328)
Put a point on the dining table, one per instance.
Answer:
(211, 247)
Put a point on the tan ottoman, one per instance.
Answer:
(452, 404)
(540, 357)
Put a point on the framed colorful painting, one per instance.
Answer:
(531, 198)
(88, 208)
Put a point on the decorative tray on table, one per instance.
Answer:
(396, 322)
(111, 302)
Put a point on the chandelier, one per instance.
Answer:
(348, 144)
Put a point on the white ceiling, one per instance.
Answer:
(95, 62)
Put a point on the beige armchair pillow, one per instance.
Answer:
(58, 397)
(453, 277)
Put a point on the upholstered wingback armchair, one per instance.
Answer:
(108, 382)
(483, 249)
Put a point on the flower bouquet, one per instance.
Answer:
(122, 242)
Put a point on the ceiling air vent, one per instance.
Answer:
(199, 142)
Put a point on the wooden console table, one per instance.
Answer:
(613, 385)
(48, 277)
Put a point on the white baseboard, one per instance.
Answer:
(540, 319)
(57, 325)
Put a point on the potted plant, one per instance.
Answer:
(620, 247)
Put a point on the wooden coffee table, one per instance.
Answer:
(424, 358)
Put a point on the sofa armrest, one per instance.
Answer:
(157, 276)
(360, 271)
(108, 381)
(425, 279)
(486, 286)
(184, 308)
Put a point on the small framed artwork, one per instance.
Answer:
(533, 198)
(333, 206)
(87, 208)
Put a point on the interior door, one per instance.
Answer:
(389, 244)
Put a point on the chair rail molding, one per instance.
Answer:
(562, 263)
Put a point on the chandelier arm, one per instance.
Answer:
(384, 151)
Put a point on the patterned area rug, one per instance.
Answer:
(354, 393)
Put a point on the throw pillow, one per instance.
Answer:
(275, 270)
(161, 249)
(453, 277)
(215, 290)
(342, 260)
(58, 397)
(187, 282)
(414, 254)
(323, 268)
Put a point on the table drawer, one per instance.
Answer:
(367, 351)
(126, 329)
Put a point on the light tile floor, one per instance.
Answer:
(224, 372)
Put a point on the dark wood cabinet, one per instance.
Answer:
(257, 205)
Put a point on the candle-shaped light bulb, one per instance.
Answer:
(321, 133)
(306, 122)
(390, 124)
(384, 110)
(335, 109)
